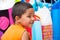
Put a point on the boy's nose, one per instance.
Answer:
(32, 18)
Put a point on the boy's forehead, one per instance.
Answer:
(30, 10)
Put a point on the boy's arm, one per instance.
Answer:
(25, 36)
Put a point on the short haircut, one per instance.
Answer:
(19, 8)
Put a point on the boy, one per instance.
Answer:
(23, 16)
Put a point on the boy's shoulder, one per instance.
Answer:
(17, 26)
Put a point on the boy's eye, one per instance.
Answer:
(29, 16)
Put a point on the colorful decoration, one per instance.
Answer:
(17, 1)
(10, 16)
(4, 22)
(1, 33)
(27, 0)
(45, 19)
(47, 32)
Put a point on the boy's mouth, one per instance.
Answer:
(32, 22)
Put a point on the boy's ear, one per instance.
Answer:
(16, 18)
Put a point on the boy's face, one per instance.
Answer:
(27, 18)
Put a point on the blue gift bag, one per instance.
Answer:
(36, 31)
(55, 14)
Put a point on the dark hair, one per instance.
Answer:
(19, 8)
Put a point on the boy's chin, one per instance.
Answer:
(30, 25)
